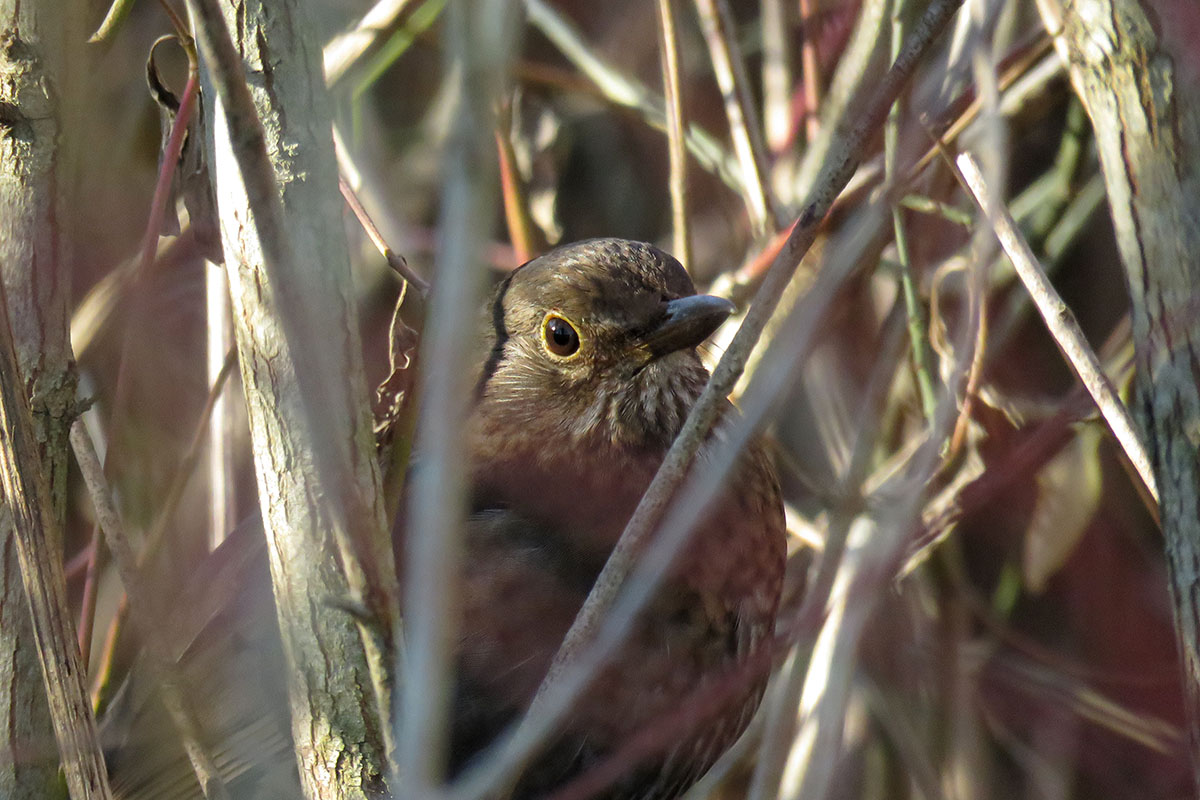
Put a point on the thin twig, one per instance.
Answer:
(1059, 320)
(916, 315)
(170, 160)
(141, 602)
(365, 194)
(516, 206)
(979, 312)
(219, 346)
(937, 208)
(397, 262)
(91, 589)
(113, 19)
(676, 147)
(716, 22)
(627, 92)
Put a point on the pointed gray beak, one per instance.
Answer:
(688, 322)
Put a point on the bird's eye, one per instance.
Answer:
(559, 336)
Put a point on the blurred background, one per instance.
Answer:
(1019, 637)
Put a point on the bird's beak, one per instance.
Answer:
(688, 322)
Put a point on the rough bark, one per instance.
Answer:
(294, 321)
(1137, 72)
(34, 271)
(27, 491)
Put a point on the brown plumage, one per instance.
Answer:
(587, 369)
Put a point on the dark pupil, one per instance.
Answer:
(563, 339)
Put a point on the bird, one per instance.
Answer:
(585, 367)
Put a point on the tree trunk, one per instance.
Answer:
(301, 363)
(1137, 73)
(35, 271)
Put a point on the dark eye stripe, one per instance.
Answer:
(499, 334)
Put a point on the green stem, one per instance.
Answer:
(912, 306)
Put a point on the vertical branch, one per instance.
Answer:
(302, 372)
(480, 39)
(1138, 82)
(27, 492)
(35, 93)
(677, 154)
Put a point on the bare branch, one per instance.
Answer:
(1060, 321)
(306, 393)
(27, 492)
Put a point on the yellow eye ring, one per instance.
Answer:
(559, 336)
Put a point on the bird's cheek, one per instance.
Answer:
(632, 360)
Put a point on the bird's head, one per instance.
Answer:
(596, 342)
